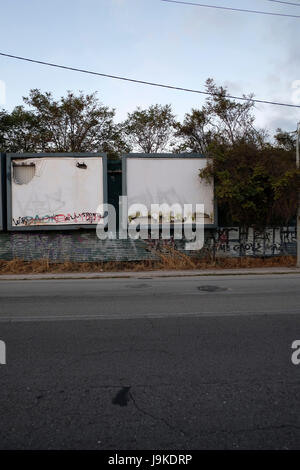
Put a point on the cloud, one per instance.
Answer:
(272, 117)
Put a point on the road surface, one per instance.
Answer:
(165, 363)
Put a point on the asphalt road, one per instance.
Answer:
(165, 363)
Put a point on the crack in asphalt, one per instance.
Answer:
(155, 418)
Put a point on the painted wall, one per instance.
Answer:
(83, 245)
(168, 180)
(63, 191)
(233, 242)
(74, 245)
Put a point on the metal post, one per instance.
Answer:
(298, 207)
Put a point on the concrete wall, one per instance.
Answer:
(232, 241)
(70, 246)
(60, 246)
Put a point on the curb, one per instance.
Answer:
(148, 274)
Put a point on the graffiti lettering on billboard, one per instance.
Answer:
(81, 218)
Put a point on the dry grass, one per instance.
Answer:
(169, 260)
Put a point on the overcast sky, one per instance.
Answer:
(152, 40)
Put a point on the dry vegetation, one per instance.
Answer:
(171, 260)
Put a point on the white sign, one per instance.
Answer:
(56, 191)
(169, 182)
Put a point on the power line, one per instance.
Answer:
(284, 3)
(143, 82)
(231, 9)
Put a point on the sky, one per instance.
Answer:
(156, 41)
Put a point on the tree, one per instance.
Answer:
(256, 182)
(195, 132)
(254, 186)
(221, 120)
(20, 131)
(71, 124)
(231, 120)
(285, 140)
(149, 130)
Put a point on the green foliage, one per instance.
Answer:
(195, 133)
(254, 186)
(71, 124)
(256, 182)
(21, 131)
(221, 120)
(285, 140)
(149, 130)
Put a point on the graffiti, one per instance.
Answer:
(160, 244)
(233, 241)
(72, 246)
(60, 246)
(82, 218)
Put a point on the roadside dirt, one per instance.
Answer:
(168, 261)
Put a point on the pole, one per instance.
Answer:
(298, 207)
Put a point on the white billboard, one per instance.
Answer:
(56, 190)
(166, 180)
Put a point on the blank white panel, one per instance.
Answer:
(56, 190)
(168, 180)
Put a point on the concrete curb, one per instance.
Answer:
(150, 274)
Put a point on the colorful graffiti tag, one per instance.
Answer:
(82, 218)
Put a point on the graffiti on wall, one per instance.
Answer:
(85, 246)
(71, 246)
(83, 217)
(234, 241)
